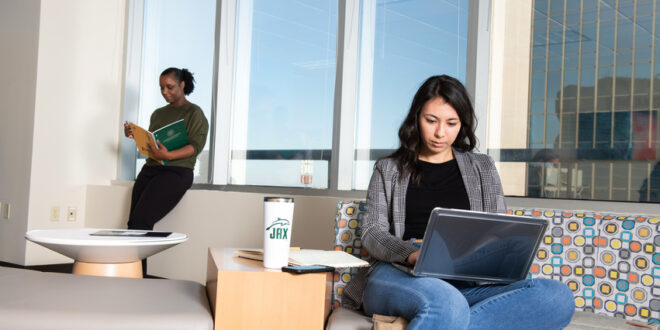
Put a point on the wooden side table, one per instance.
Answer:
(245, 295)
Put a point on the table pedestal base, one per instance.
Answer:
(129, 269)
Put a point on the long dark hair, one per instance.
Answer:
(182, 75)
(451, 91)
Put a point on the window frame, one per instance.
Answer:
(344, 110)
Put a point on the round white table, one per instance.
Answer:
(104, 255)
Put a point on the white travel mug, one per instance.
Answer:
(278, 219)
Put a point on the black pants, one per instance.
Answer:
(156, 192)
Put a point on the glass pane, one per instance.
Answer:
(590, 14)
(541, 7)
(641, 102)
(572, 17)
(605, 80)
(624, 33)
(283, 106)
(538, 85)
(556, 6)
(607, 13)
(537, 107)
(592, 101)
(603, 127)
(538, 64)
(621, 126)
(587, 77)
(568, 124)
(606, 36)
(402, 43)
(570, 105)
(620, 175)
(622, 103)
(536, 129)
(588, 60)
(589, 37)
(551, 130)
(626, 10)
(644, 8)
(624, 56)
(586, 129)
(587, 104)
(540, 35)
(643, 54)
(554, 63)
(642, 78)
(623, 75)
(193, 50)
(573, 46)
(639, 181)
(604, 103)
(643, 37)
(554, 84)
(605, 57)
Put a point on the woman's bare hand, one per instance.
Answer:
(412, 258)
(128, 132)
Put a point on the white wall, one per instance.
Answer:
(508, 98)
(19, 35)
(61, 113)
(78, 101)
(213, 219)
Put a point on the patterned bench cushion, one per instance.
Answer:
(611, 262)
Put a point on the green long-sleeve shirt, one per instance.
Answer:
(197, 128)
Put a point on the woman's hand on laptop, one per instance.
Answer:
(412, 258)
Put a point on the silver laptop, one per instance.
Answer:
(478, 246)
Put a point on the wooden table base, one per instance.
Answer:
(129, 269)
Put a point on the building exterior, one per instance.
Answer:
(593, 103)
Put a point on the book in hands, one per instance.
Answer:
(309, 257)
(173, 136)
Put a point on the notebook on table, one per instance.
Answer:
(477, 246)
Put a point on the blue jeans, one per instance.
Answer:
(431, 303)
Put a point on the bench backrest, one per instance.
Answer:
(608, 260)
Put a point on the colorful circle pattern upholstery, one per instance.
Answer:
(611, 262)
(348, 224)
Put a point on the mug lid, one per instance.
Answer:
(278, 199)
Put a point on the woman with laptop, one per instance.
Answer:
(435, 167)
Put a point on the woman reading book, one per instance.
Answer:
(435, 166)
(158, 188)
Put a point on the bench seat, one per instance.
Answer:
(40, 300)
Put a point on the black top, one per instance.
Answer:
(441, 185)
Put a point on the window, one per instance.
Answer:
(604, 146)
(174, 34)
(285, 64)
(401, 44)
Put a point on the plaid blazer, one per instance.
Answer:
(385, 215)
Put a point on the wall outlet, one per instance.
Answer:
(71, 214)
(54, 213)
(6, 210)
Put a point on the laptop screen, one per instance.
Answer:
(467, 245)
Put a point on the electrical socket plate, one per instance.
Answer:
(54, 213)
(71, 214)
(6, 210)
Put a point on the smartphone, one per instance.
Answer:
(307, 269)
